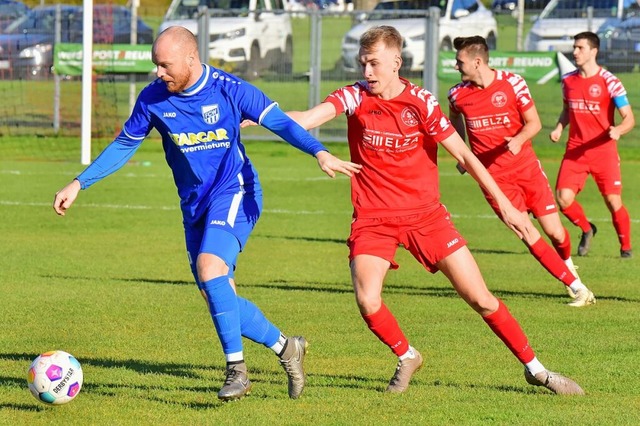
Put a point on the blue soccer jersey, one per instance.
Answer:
(200, 131)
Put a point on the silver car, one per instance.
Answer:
(458, 18)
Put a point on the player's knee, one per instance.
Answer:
(484, 304)
(209, 266)
(368, 303)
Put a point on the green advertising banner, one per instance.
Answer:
(107, 58)
(538, 67)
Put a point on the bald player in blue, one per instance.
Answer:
(197, 110)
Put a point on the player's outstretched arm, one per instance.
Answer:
(65, 197)
(331, 164)
(516, 220)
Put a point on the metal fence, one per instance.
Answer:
(319, 64)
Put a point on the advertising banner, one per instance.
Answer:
(107, 58)
(538, 67)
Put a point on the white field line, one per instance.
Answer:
(276, 211)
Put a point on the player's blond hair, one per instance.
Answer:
(385, 33)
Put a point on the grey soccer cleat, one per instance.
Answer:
(237, 384)
(404, 371)
(584, 297)
(292, 362)
(585, 240)
(555, 382)
(626, 254)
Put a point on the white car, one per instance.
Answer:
(560, 20)
(247, 35)
(458, 18)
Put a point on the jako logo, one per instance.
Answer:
(218, 222)
(453, 242)
(169, 114)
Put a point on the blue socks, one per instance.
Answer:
(235, 317)
(255, 325)
(223, 306)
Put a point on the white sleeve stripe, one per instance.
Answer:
(135, 138)
(266, 111)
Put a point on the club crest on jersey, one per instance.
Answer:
(595, 90)
(210, 114)
(499, 99)
(408, 117)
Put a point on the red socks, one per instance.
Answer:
(564, 248)
(622, 223)
(551, 261)
(384, 325)
(505, 326)
(576, 215)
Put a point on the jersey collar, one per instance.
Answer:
(202, 81)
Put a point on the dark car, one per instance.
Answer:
(10, 11)
(620, 42)
(26, 46)
(508, 6)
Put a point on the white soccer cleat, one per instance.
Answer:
(584, 297)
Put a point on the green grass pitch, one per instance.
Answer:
(110, 284)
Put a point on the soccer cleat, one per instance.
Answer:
(237, 384)
(555, 382)
(626, 254)
(292, 362)
(584, 297)
(405, 369)
(574, 270)
(585, 240)
(570, 292)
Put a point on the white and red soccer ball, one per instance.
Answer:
(55, 377)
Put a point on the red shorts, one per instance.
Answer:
(528, 190)
(429, 237)
(602, 164)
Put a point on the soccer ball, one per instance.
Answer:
(55, 377)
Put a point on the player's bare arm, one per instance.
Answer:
(315, 116)
(513, 218)
(563, 120)
(532, 126)
(65, 197)
(626, 125)
(458, 123)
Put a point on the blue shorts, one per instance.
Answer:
(224, 229)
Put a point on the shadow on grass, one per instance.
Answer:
(345, 288)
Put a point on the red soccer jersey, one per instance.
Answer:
(591, 107)
(491, 114)
(396, 142)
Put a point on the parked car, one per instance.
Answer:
(249, 36)
(457, 18)
(620, 43)
(509, 6)
(26, 46)
(10, 11)
(560, 20)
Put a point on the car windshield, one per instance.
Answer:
(578, 9)
(394, 9)
(188, 9)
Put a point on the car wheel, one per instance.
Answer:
(446, 45)
(491, 41)
(253, 65)
(287, 60)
